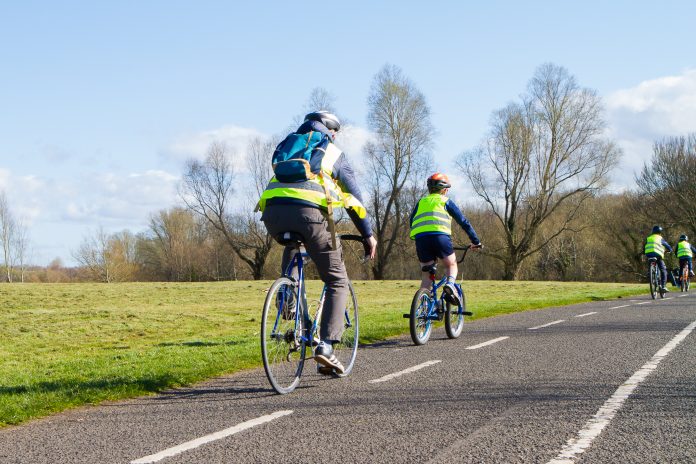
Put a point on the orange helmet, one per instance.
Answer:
(437, 182)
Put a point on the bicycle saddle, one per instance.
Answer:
(289, 238)
(431, 268)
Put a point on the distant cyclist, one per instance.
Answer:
(312, 176)
(685, 253)
(655, 247)
(431, 228)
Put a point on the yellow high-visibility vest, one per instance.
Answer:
(322, 190)
(684, 250)
(653, 244)
(431, 216)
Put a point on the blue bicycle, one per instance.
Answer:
(427, 307)
(288, 330)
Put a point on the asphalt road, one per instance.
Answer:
(602, 382)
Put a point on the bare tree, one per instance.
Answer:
(543, 153)
(669, 180)
(21, 247)
(207, 189)
(7, 233)
(93, 255)
(398, 158)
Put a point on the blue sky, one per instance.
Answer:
(101, 102)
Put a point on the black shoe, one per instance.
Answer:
(451, 293)
(324, 370)
(324, 355)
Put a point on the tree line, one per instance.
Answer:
(536, 195)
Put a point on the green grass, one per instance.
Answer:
(64, 345)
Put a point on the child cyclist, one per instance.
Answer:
(685, 253)
(431, 228)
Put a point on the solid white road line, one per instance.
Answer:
(405, 371)
(189, 445)
(622, 306)
(489, 342)
(586, 314)
(593, 427)
(546, 325)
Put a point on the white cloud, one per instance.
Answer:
(653, 109)
(196, 145)
(352, 139)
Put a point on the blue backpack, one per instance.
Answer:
(292, 156)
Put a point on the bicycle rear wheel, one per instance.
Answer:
(282, 344)
(419, 323)
(347, 349)
(454, 320)
(653, 280)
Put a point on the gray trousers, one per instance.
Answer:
(312, 225)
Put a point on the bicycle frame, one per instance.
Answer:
(297, 261)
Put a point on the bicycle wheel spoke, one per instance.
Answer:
(282, 347)
(346, 350)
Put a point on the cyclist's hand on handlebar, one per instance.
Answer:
(370, 246)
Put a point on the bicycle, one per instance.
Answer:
(654, 273)
(685, 278)
(287, 328)
(427, 308)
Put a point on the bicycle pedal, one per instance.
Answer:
(468, 313)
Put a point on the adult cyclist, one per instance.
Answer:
(304, 207)
(655, 247)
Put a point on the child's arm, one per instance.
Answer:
(457, 215)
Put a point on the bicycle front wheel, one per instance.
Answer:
(282, 343)
(419, 323)
(347, 349)
(454, 319)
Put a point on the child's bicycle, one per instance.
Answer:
(427, 307)
(287, 330)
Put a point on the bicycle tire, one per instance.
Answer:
(347, 349)
(685, 279)
(454, 322)
(653, 280)
(282, 346)
(419, 323)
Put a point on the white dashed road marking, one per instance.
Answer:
(489, 342)
(189, 445)
(645, 302)
(622, 306)
(593, 427)
(546, 325)
(405, 371)
(586, 314)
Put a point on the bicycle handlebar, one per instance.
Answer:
(352, 237)
(465, 249)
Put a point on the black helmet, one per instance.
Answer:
(683, 238)
(328, 119)
(657, 230)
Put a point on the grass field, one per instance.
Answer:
(64, 345)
